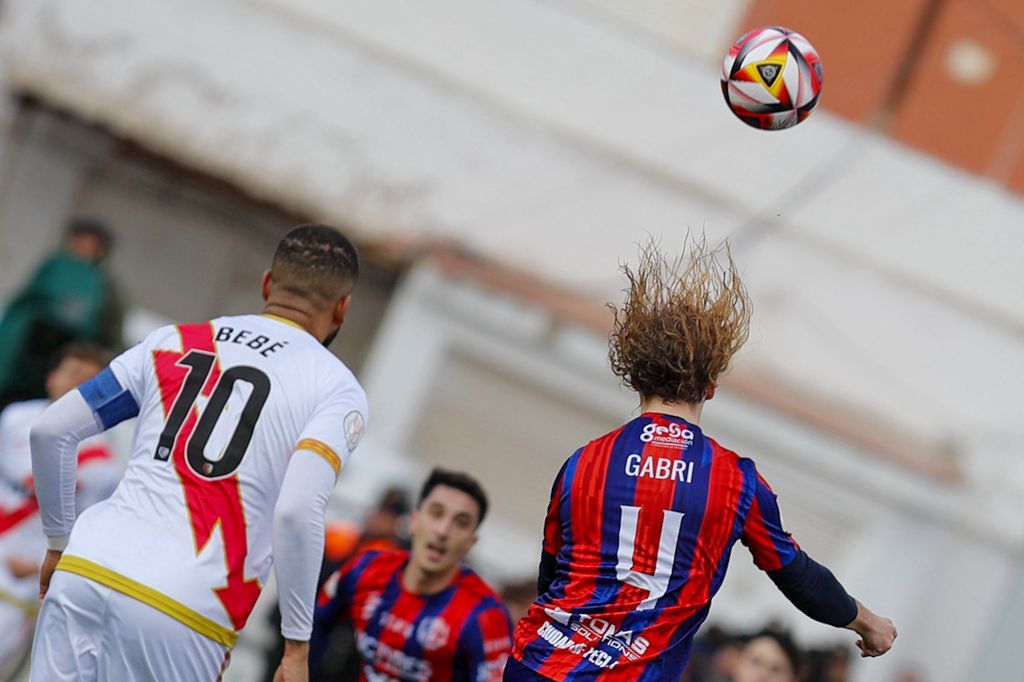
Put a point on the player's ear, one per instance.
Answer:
(265, 286)
(340, 308)
(710, 393)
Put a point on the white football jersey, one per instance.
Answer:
(221, 407)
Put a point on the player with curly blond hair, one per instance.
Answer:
(642, 520)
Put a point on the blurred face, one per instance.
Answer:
(763, 660)
(68, 375)
(87, 247)
(443, 530)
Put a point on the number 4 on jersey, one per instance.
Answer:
(656, 584)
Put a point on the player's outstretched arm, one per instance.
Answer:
(810, 587)
(298, 545)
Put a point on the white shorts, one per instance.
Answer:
(89, 632)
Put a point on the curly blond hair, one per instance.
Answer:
(681, 323)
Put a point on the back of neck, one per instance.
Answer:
(293, 315)
(688, 411)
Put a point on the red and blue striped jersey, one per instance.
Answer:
(642, 522)
(462, 633)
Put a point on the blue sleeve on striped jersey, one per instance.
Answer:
(814, 590)
(108, 400)
(479, 660)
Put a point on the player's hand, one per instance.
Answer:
(46, 571)
(877, 632)
(295, 662)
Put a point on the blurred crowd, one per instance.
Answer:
(767, 655)
(770, 655)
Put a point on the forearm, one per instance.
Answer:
(815, 591)
(299, 541)
(54, 442)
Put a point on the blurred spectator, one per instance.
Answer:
(69, 298)
(704, 646)
(386, 526)
(830, 665)
(722, 656)
(768, 656)
(518, 596)
(725, 661)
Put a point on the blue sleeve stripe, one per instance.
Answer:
(108, 399)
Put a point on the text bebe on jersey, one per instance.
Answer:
(264, 345)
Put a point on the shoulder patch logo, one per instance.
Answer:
(354, 426)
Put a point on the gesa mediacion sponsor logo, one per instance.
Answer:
(671, 434)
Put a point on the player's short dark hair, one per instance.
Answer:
(459, 481)
(792, 652)
(89, 226)
(316, 262)
(86, 352)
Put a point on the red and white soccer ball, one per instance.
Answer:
(771, 78)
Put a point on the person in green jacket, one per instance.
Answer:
(69, 298)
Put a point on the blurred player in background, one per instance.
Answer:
(642, 520)
(423, 615)
(22, 544)
(70, 297)
(244, 424)
(769, 656)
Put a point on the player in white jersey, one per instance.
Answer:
(243, 425)
(22, 544)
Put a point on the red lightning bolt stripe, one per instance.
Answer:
(210, 503)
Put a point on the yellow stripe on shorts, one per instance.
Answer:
(323, 450)
(149, 596)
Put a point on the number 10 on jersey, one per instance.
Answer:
(200, 364)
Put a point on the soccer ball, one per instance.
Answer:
(771, 78)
